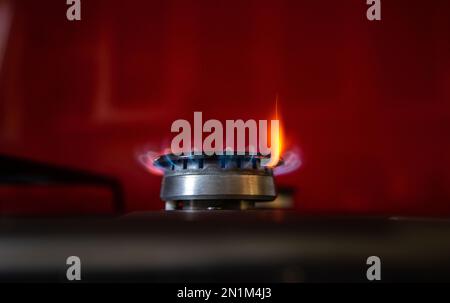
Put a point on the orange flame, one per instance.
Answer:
(276, 140)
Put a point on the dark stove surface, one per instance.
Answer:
(230, 246)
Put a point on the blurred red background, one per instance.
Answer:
(366, 102)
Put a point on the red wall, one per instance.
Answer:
(368, 103)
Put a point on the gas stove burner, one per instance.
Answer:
(202, 182)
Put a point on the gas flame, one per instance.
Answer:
(276, 140)
(291, 162)
(288, 155)
(290, 158)
(147, 159)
